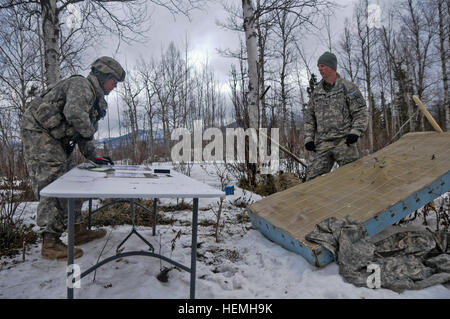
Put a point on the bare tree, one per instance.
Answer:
(173, 70)
(163, 100)
(146, 71)
(121, 17)
(263, 28)
(187, 84)
(236, 98)
(130, 94)
(286, 27)
(326, 18)
(402, 102)
(382, 78)
(420, 33)
(222, 173)
(419, 24)
(18, 61)
(443, 27)
(349, 62)
(366, 40)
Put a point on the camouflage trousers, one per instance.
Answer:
(47, 160)
(329, 152)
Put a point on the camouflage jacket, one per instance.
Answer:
(334, 114)
(69, 112)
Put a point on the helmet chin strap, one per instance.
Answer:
(102, 84)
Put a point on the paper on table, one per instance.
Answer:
(101, 169)
(91, 166)
(131, 168)
(132, 174)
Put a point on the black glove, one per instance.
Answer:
(69, 146)
(100, 114)
(103, 160)
(351, 138)
(310, 146)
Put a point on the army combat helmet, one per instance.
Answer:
(109, 66)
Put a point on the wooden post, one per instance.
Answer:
(427, 114)
(285, 150)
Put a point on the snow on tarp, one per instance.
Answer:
(378, 189)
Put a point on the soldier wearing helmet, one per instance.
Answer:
(65, 114)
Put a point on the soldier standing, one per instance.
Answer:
(334, 119)
(67, 113)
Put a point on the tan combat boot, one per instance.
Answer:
(84, 235)
(54, 248)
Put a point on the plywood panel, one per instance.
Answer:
(360, 190)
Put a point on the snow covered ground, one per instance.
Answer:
(244, 264)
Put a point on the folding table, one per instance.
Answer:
(129, 182)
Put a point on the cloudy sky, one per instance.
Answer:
(205, 37)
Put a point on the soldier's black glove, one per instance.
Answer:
(103, 160)
(310, 146)
(351, 138)
(100, 114)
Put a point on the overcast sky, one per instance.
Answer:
(204, 38)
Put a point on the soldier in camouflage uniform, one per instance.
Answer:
(67, 113)
(335, 118)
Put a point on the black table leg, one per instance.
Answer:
(70, 246)
(90, 214)
(194, 247)
(154, 215)
(70, 226)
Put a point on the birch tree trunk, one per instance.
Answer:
(41, 52)
(284, 35)
(253, 95)
(51, 34)
(262, 39)
(252, 58)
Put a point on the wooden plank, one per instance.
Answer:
(379, 190)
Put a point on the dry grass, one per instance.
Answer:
(119, 214)
(272, 184)
(14, 236)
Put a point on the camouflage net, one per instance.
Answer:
(407, 260)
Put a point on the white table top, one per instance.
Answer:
(82, 183)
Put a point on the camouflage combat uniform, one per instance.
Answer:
(328, 119)
(64, 115)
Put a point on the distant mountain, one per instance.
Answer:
(123, 139)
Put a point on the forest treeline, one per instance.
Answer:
(392, 50)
